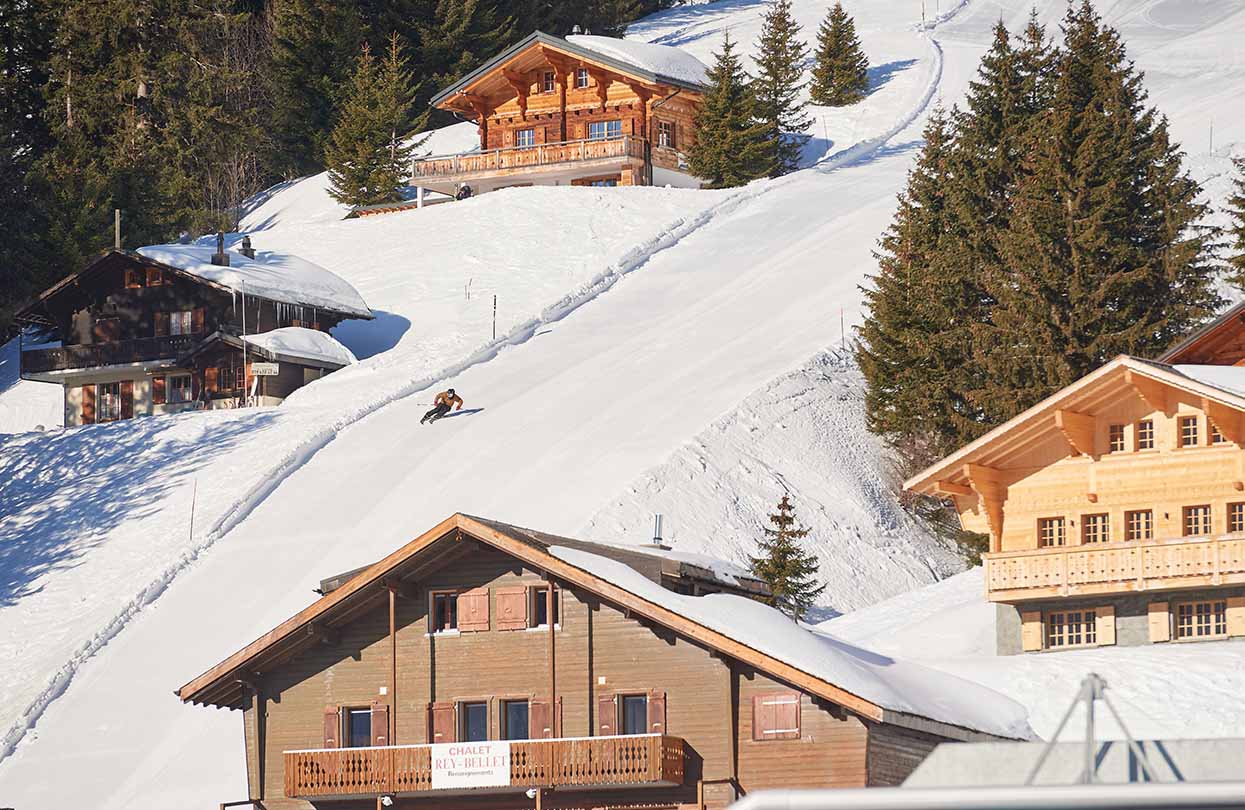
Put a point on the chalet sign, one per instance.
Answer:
(470, 765)
(264, 369)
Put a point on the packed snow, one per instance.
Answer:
(307, 344)
(660, 60)
(25, 405)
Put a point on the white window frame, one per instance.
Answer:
(1188, 432)
(179, 382)
(664, 130)
(548, 82)
(182, 322)
(107, 405)
(581, 77)
(1145, 435)
(525, 137)
(605, 126)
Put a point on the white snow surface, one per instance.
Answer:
(309, 344)
(661, 60)
(1228, 378)
(24, 404)
(276, 275)
(883, 680)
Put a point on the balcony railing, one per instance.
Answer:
(518, 157)
(115, 352)
(648, 759)
(1115, 567)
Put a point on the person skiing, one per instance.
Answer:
(441, 406)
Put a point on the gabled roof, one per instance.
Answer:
(289, 344)
(1231, 322)
(581, 49)
(873, 686)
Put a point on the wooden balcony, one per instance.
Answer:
(1113, 568)
(516, 159)
(117, 352)
(584, 762)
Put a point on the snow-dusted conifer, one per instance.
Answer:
(730, 147)
(790, 572)
(778, 87)
(1236, 209)
(840, 68)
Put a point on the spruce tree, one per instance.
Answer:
(790, 572)
(1236, 210)
(458, 35)
(730, 147)
(778, 88)
(840, 68)
(396, 91)
(358, 149)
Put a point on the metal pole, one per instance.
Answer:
(1142, 759)
(1050, 744)
(494, 317)
(1088, 776)
(242, 395)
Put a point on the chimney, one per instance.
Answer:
(220, 257)
(246, 249)
(575, 29)
(657, 541)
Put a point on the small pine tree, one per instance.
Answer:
(396, 91)
(730, 147)
(1236, 209)
(789, 571)
(778, 88)
(840, 69)
(361, 170)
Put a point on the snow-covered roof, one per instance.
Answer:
(722, 570)
(305, 344)
(885, 681)
(276, 276)
(660, 60)
(1225, 378)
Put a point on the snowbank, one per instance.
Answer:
(308, 344)
(661, 60)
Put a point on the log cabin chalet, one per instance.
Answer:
(1115, 507)
(488, 666)
(173, 327)
(580, 110)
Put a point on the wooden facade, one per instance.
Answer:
(623, 704)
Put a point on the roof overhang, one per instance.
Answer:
(1233, 320)
(235, 342)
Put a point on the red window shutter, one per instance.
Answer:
(539, 719)
(88, 404)
(380, 723)
(210, 380)
(511, 608)
(162, 324)
(473, 610)
(199, 325)
(332, 727)
(441, 726)
(607, 716)
(158, 389)
(656, 712)
(127, 399)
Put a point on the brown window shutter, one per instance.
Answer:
(473, 611)
(162, 324)
(127, 399)
(1031, 630)
(656, 712)
(511, 608)
(776, 716)
(158, 389)
(441, 726)
(607, 715)
(88, 404)
(674, 142)
(332, 727)
(210, 380)
(539, 719)
(199, 325)
(762, 717)
(380, 723)
(1160, 621)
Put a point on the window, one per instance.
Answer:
(547, 84)
(358, 731)
(181, 323)
(444, 612)
(514, 719)
(1188, 431)
(1051, 532)
(634, 714)
(472, 722)
(525, 137)
(133, 278)
(1196, 520)
(155, 277)
(107, 402)
(776, 716)
(1215, 436)
(1145, 434)
(600, 130)
(1096, 528)
(538, 613)
(1202, 619)
(1073, 628)
(1236, 517)
(603, 182)
(1139, 525)
(180, 389)
(665, 133)
(581, 77)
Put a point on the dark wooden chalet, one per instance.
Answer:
(487, 666)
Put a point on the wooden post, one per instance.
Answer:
(393, 668)
(539, 797)
(562, 102)
(553, 677)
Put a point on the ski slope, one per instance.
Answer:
(637, 323)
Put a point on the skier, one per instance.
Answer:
(441, 406)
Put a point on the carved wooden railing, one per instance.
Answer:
(515, 157)
(645, 759)
(107, 354)
(1115, 567)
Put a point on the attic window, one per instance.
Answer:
(444, 611)
(1116, 437)
(581, 77)
(547, 83)
(133, 279)
(538, 612)
(1145, 434)
(1188, 431)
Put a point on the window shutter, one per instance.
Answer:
(656, 712)
(539, 719)
(674, 143)
(158, 395)
(1031, 630)
(511, 608)
(762, 717)
(162, 324)
(473, 610)
(380, 723)
(1160, 623)
(776, 716)
(88, 404)
(198, 317)
(607, 716)
(210, 380)
(332, 727)
(1104, 624)
(127, 399)
(1236, 615)
(441, 723)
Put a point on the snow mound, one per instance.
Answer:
(308, 344)
(277, 276)
(885, 681)
(660, 60)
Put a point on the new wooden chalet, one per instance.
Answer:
(173, 327)
(487, 666)
(1116, 507)
(584, 110)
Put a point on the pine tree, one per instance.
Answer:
(730, 147)
(458, 35)
(790, 572)
(1236, 209)
(840, 68)
(778, 88)
(357, 152)
(396, 92)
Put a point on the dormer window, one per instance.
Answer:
(1188, 431)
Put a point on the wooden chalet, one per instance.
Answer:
(156, 331)
(488, 666)
(580, 110)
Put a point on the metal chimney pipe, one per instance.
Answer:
(657, 541)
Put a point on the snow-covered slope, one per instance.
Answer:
(25, 405)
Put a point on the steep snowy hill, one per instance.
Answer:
(25, 405)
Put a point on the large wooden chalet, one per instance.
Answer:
(174, 327)
(487, 666)
(584, 110)
(1116, 507)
